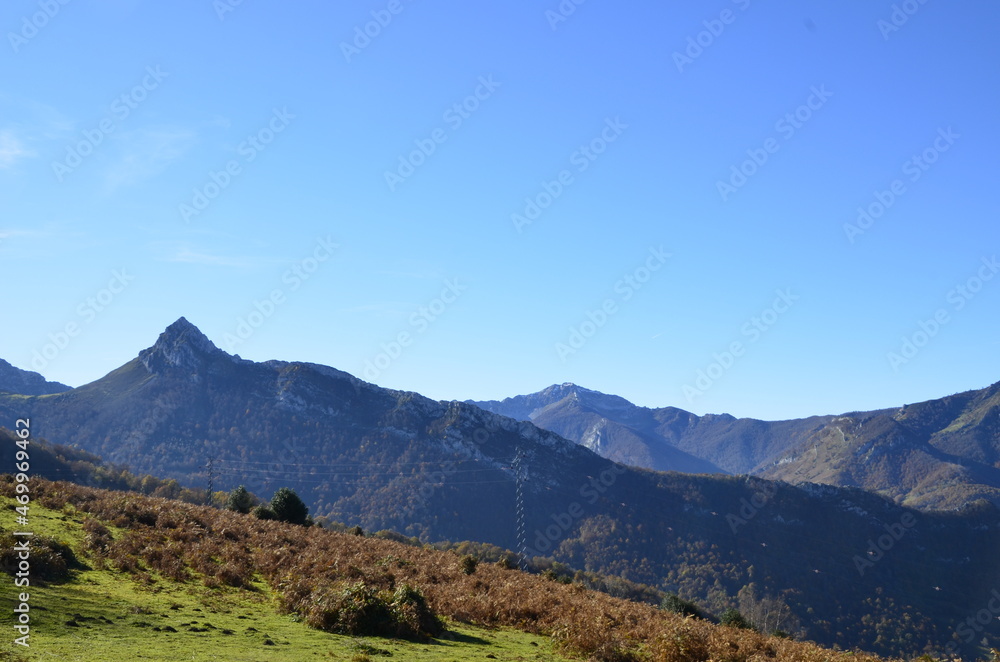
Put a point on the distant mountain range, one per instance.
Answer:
(937, 454)
(843, 566)
(24, 382)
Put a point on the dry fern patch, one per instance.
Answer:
(354, 585)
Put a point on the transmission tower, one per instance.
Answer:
(520, 477)
(211, 480)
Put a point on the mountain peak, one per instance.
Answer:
(564, 389)
(184, 331)
(182, 345)
(24, 382)
(182, 323)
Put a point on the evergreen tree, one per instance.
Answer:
(240, 500)
(288, 507)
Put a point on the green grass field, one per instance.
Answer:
(108, 615)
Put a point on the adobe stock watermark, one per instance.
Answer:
(899, 16)
(20, 567)
(249, 149)
(454, 117)
(750, 507)
(974, 625)
(32, 25)
(581, 159)
(913, 169)
(786, 127)
(292, 279)
(364, 34)
(590, 492)
(878, 548)
(419, 321)
(119, 111)
(562, 12)
(703, 40)
(625, 288)
(753, 330)
(959, 297)
(86, 312)
(223, 7)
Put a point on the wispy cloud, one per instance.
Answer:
(146, 153)
(31, 121)
(12, 149)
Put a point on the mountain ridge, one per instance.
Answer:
(951, 453)
(438, 470)
(26, 382)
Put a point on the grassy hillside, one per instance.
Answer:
(102, 613)
(164, 580)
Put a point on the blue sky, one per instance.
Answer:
(529, 197)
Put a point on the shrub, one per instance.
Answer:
(507, 562)
(357, 609)
(50, 559)
(679, 605)
(98, 538)
(263, 512)
(288, 507)
(468, 564)
(240, 500)
(362, 610)
(413, 617)
(734, 618)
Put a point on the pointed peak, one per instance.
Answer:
(184, 331)
(181, 344)
(182, 324)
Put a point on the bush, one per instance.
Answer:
(362, 610)
(240, 500)
(507, 562)
(679, 605)
(50, 559)
(98, 538)
(468, 564)
(734, 618)
(356, 610)
(288, 507)
(413, 617)
(263, 512)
